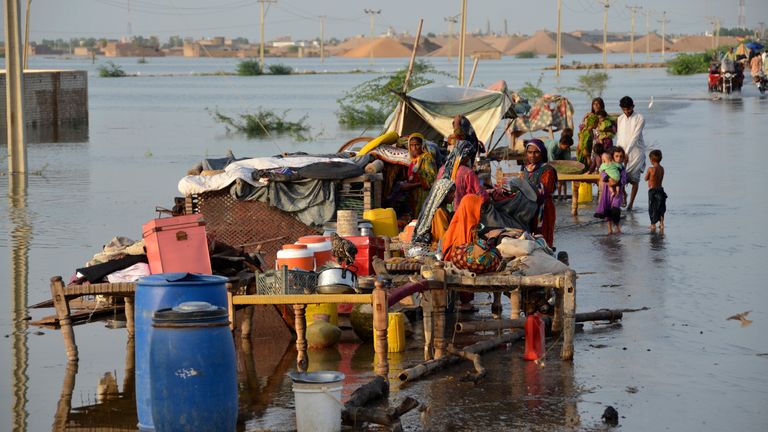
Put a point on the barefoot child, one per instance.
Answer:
(657, 199)
(596, 159)
(612, 192)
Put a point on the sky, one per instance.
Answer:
(51, 19)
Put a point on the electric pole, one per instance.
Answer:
(261, 33)
(663, 22)
(14, 90)
(606, 5)
(371, 13)
(322, 38)
(715, 21)
(742, 17)
(647, 34)
(451, 21)
(462, 39)
(633, 10)
(558, 49)
(505, 27)
(130, 31)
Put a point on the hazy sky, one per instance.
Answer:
(299, 18)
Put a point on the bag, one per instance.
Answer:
(476, 256)
(513, 247)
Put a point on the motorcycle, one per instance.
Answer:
(725, 77)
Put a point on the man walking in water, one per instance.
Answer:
(629, 136)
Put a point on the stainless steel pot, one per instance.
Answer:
(336, 280)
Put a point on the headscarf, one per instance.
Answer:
(416, 162)
(464, 151)
(542, 148)
(467, 131)
(420, 137)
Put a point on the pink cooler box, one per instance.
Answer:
(177, 244)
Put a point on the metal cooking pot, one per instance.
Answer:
(336, 280)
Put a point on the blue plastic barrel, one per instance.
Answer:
(162, 291)
(193, 369)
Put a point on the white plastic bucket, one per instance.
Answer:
(318, 401)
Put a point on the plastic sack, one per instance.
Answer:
(539, 263)
(513, 248)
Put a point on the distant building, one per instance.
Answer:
(127, 49)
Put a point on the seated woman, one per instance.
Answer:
(543, 177)
(421, 173)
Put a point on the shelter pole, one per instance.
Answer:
(558, 50)
(472, 74)
(408, 75)
(462, 38)
(14, 88)
(26, 35)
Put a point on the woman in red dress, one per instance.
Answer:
(543, 177)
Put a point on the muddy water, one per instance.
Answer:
(678, 365)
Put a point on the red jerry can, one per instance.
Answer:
(534, 337)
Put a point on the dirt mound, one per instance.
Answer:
(503, 43)
(700, 43)
(640, 44)
(426, 45)
(450, 47)
(544, 42)
(381, 48)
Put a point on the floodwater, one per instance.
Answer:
(679, 365)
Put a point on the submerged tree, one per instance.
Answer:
(371, 102)
(264, 123)
(593, 84)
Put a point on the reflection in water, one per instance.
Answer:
(114, 410)
(65, 133)
(20, 237)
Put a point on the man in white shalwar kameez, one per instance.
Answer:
(629, 136)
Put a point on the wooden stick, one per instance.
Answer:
(472, 74)
(130, 322)
(569, 316)
(412, 374)
(62, 311)
(300, 323)
(371, 391)
(386, 417)
(402, 105)
(427, 312)
(474, 358)
(380, 324)
(489, 325)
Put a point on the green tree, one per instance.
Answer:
(371, 102)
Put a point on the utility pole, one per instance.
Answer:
(488, 27)
(130, 30)
(371, 13)
(663, 22)
(26, 36)
(633, 10)
(451, 21)
(322, 38)
(761, 25)
(742, 16)
(558, 49)
(647, 34)
(261, 33)
(606, 5)
(505, 27)
(462, 39)
(715, 21)
(14, 91)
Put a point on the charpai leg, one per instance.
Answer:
(300, 323)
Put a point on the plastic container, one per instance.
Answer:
(193, 369)
(585, 192)
(384, 221)
(329, 309)
(295, 256)
(367, 249)
(177, 244)
(318, 400)
(534, 337)
(159, 292)
(407, 235)
(320, 247)
(395, 332)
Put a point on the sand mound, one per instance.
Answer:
(450, 47)
(347, 45)
(544, 42)
(381, 48)
(700, 43)
(426, 45)
(640, 44)
(503, 43)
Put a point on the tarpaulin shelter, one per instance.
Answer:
(549, 111)
(430, 110)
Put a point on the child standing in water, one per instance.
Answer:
(657, 199)
(611, 166)
(612, 190)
